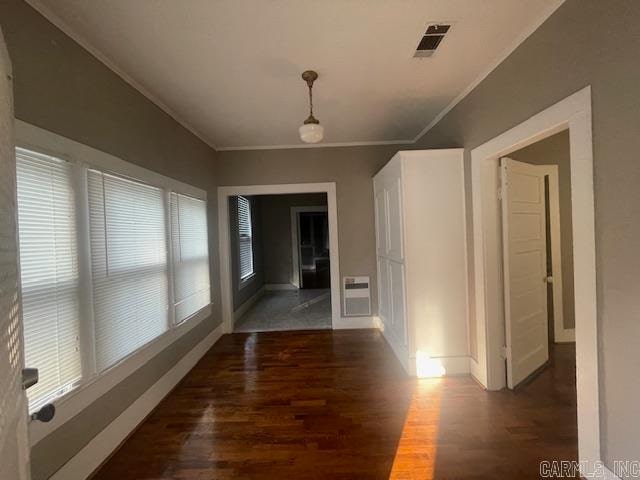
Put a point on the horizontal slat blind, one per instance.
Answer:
(245, 242)
(129, 265)
(190, 255)
(49, 272)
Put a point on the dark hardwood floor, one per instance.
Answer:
(336, 405)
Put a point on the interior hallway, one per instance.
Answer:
(337, 405)
(303, 309)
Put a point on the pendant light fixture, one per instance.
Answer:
(311, 131)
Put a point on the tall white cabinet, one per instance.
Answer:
(422, 260)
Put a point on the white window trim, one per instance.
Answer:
(244, 281)
(94, 385)
(248, 278)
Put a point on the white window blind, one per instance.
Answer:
(129, 265)
(245, 241)
(190, 255)
(49, 273)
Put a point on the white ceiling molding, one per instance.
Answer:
(318, 145)
(111, 65)
(46, 8)
(501, 58)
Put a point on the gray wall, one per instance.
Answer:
(248, 289)
(62, 88)
(554, 150)
(276, 226)
(352, 168)
(585, 42)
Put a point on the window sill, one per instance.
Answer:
(74, 401)
(246, 280)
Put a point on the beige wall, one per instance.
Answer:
(352, 168)
(585, 42)
(555, 151)
(276, 238)
(60, 87)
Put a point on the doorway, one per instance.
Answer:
(487, 362)
(537, 246)
(310, 247)
(267, 296)
(286, 285)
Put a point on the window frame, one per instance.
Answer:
(244, 280)
(111, 273)
(60, 390)
(171, 256)
(92, 385)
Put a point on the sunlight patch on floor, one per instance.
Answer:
(416, 453)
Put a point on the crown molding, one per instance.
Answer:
(62, 25)
(467, 90)
(317, 145)
(111, 65)
(492, 66)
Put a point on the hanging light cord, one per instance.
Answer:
(311, 100)
(309, 77)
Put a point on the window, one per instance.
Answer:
(128, 265)
(49, 273)
(108, 263)
(245, 241)
(190, 255)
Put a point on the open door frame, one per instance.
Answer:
(296, 278)
(560, 333)
(573, 113)
(226, 292)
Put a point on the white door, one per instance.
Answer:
(397, 302)
(384, 310)
(395, 248)
(14, 456)
(381, 222)
(525, 269)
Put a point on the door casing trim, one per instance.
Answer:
(572, 113)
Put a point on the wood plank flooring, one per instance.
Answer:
(336, 405)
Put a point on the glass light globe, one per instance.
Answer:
(311, 133)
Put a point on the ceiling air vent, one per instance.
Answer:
(431, 39)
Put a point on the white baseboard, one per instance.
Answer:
(566, 335)
(608, 474)
(597, 470)
(354, 322)
(280, 286)
(242, 309)
(453, 366)
(456, 365)
(87, 460)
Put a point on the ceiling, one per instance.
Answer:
(229, 70)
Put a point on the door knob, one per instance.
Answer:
(45, 414)
(548, 279)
